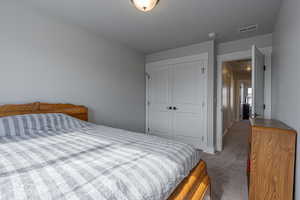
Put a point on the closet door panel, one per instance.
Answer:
(159, 101)
(188, 96)
(187, 124)
(187, 83)
(159, 86)
(159, 122)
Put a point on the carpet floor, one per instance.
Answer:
(227, 169)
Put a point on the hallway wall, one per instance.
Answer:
(233, 74)
(228, 92)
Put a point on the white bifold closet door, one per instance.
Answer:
(159, 101)
(177, 101)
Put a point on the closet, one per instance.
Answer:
(176, 99)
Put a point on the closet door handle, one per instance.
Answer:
(175, 108)
(169, 108)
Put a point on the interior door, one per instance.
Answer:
(159, 116)
(188, 100)
(258, 83)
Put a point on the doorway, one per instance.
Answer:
(237, 98)
(255, 98)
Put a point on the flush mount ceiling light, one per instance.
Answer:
(144, 5)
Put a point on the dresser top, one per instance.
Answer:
(269, 123)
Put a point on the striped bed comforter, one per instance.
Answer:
(55, 156)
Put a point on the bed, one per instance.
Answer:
(51, 151)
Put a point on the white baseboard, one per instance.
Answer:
(227, 129)
(209, 150)
(225, 132)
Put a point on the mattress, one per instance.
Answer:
(55, 156)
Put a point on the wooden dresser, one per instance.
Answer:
(271, 160)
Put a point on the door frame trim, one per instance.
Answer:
(172, 61)
(239, 55)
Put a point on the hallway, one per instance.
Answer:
(228, 168)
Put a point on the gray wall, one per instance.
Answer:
(43, 60)
(286, 72)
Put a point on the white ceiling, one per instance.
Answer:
(171, 24)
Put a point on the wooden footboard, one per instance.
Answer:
(194, 187)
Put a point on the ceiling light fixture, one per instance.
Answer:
(144, 5)
(248, 68)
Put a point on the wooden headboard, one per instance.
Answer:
(80, 112)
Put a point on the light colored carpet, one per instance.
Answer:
(228, 168)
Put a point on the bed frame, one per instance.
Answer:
(79, 112)
(196, 186)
